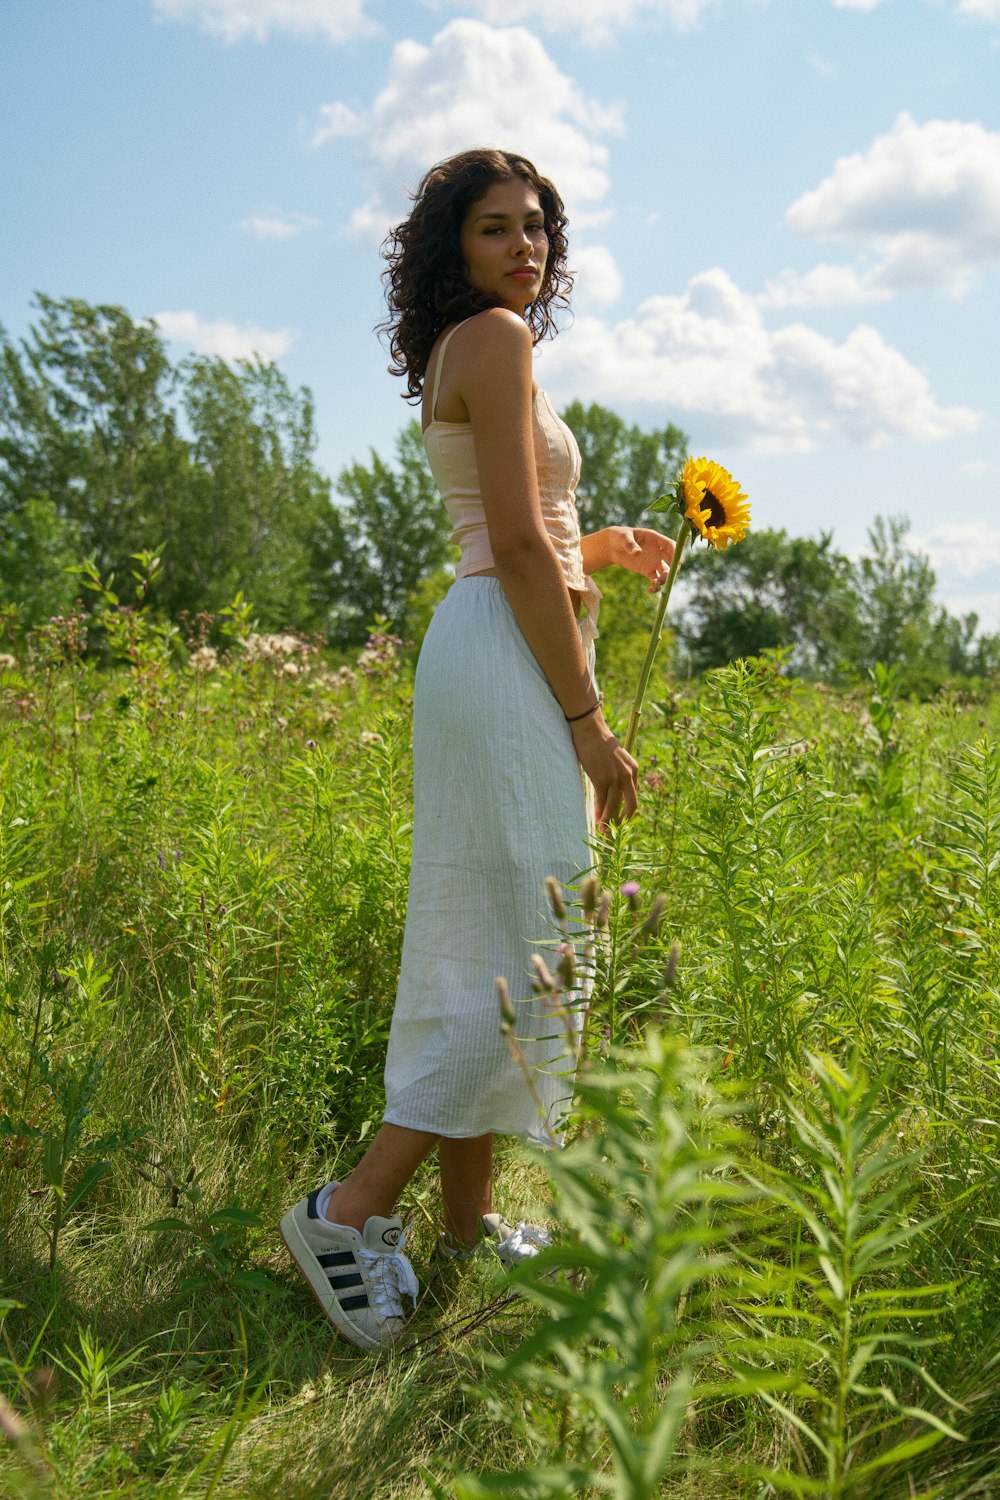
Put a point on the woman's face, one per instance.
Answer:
(504, 244)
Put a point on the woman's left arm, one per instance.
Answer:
(633, 547)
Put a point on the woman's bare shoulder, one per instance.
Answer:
(497, 329)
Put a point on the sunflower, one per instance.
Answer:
(714, 503)
(711, 503)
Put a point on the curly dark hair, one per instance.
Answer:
(426, 285)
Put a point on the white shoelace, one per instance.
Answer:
(390, 1278)
(526, 1240)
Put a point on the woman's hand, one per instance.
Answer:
(608, 766)
(641, 551)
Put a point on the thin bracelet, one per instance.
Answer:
(575, 718)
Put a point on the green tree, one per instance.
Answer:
(623, 469)
(835, 617)
(92, 462)
(85, 422)
(901, 623)
(38, 547)
(770, 591)
(395, 532)
(253, 509)
(895, 596)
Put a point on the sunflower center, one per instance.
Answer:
(716, 509)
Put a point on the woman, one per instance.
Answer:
(505, 715)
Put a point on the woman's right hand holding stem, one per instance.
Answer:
(610, 768)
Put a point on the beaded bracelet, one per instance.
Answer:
(574, 718)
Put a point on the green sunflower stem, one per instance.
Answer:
(654, 636)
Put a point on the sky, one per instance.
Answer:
(784, 217)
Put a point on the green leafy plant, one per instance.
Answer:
(216, 1242)
(754, 827)
(68, 1076)
(843, 1314)
(650, 1212)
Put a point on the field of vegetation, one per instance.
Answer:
(777, 1260)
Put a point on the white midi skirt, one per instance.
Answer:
(498, 806)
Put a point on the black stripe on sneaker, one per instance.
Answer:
(351, 1279)
(312, 1200)
(336, 1258)
(352, 1304)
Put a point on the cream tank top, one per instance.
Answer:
(451, 453)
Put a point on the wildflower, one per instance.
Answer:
(556, 900)
(369, 737)
(543, 977)
(379, 655)
(277, 649)
(7, 662)
(630, 890)
(655, 914)
(590, 889)
(311, 745)
(507, 1012)
(204, 660)
(567, 965)
(285, 644)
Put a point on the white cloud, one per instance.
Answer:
(338, 121)
(823, 286)
(708, 360)
(278, 226)
(982, 10)
(965, 556)
(595, 21)
(478, 85)
(962, 549)
(337, 20)
(229, 340)
(984, 603)
(924, 198)
(863, 388)
(598, 280)
(856, 4)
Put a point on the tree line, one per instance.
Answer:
(107, 448)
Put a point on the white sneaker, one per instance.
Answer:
(359, 1280)
(515, 1244)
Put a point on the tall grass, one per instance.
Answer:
(786, 1161)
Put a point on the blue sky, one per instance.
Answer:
(785, 216)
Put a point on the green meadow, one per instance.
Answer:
(776, 1267)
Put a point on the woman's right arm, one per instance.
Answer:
(494, 379)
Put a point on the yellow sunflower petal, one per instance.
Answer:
(714, 503)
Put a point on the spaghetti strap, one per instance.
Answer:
(437, 368)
